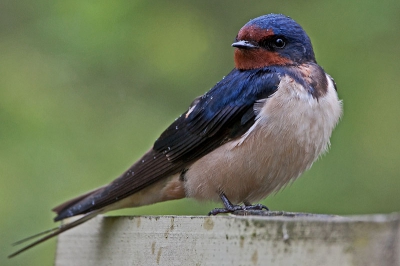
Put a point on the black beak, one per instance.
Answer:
(244, 45)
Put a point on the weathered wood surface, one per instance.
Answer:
(278, 239)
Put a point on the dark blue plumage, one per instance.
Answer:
(298, 48)
(221, 107)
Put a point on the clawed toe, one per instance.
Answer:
(230, 208)
(257, 207)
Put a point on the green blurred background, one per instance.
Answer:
(87, 86)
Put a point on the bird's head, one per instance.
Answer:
(272, 40)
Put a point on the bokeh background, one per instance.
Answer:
(87, 86)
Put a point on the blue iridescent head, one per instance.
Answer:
(272, 40)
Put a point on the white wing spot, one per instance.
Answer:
(189, 111)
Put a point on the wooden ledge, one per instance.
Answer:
(268, 238)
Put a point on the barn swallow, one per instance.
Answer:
(256, 130)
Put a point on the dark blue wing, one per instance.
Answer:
(222, 114)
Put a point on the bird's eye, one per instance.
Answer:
(279, 43)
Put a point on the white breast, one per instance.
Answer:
(291, 130)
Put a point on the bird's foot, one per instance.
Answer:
(256, 207)
(230, 208)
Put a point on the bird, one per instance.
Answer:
(254, 132)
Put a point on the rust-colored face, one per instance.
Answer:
(254, 33)
(261, 54)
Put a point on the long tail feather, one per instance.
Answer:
(35, 236)
(54, 232)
